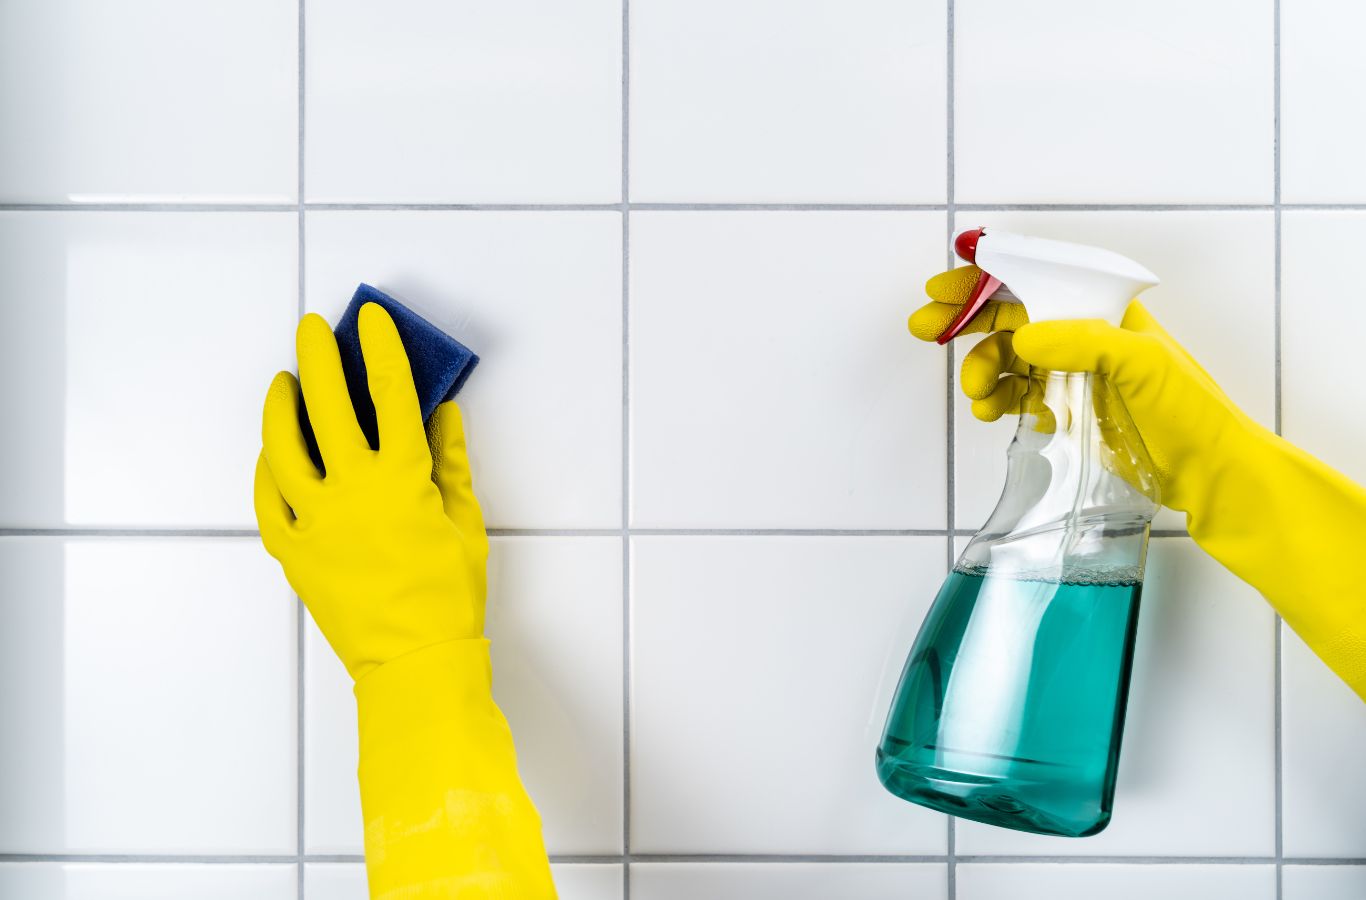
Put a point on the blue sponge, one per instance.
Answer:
(440, 363)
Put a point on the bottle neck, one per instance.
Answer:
(1078, 476)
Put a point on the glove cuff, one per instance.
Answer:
(1287, 524)
(445, 812)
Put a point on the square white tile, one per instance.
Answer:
(596, 881)
(766, 101)
(1217, 297)
(1070, 101)
(788, 881)
(762, 669)
(1035, 881)
(137, 348)
(1324, 882)
(1322, 121)
(555, 622)
(1323, 727)
(511, 102)
(1197, 768)
(538, 296)
(147, 690)
(148, 101)
(573, 881)
(773, 383)
(1322, 326)
(143, 881)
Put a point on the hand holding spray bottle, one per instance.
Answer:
(1011, 705)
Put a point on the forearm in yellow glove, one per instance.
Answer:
(1275, 516)
(388, 552)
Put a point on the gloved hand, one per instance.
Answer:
(388, 550)
(1275, 516)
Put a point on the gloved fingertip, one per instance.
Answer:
(929, 321)
(372, 316)
(1035, 339)
(975, 388)
(312, 322)
(312, 330)
(283, 383)
(986, 411)
(386, 359)
(953, 286)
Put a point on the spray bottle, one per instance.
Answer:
(1010, 708)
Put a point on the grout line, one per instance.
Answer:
(584, 859)
(300, 629)
(951, 436)
(789, 532)
(1113, 207)
(846, 858)
(148, 206)
(758, 858)
(144, 858)
(464, 207)
(131, 532)
(300, 840)
(1276, 197)
(1278, 789)
(787, 207)
(153, 206)
(626, 449)
(1124, 860)
(553, 532)
(545, 532)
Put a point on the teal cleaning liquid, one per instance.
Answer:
(1011, 706)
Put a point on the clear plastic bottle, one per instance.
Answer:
(1010, 708)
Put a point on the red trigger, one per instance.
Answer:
(987, 284)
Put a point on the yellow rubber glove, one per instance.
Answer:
(388, 552)
(1272, 514)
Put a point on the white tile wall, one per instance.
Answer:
(771, 383)
(1320, 134)
(151, 101)
(1325, 882)
(1323, 728)
(135, 344)
(758, 692)
(147, 691)
(768, 101)
(1070, 101)
(787, 881)
(1034, 881)
(574, 881)
(144, 881)
(684, 236)
(513, 102)
(1321, 336)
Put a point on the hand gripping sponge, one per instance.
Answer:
(440, 363)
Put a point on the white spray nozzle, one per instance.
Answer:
(1053, 279)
